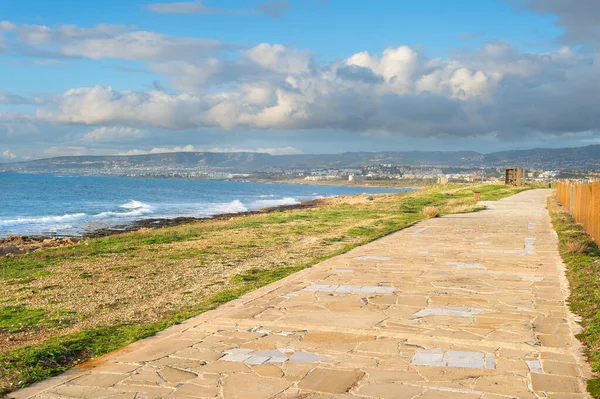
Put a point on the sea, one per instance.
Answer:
(55, 205)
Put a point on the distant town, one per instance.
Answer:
(411, 168)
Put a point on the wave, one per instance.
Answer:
(43, 219)
(227, 207)
(136, 208)
(133, 204)
(274, 202)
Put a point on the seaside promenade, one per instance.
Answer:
(463, 306)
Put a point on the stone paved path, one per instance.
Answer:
(464, 306)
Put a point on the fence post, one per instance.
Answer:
(572, 199)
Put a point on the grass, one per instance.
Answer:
(19, 318)
(582, 257)
(104, 293)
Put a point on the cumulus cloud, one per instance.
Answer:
(113, 134)
(279, 58)
(160, 150)
(497, 89)
(9, 155)
(272, 8)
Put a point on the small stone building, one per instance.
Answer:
(515, 176)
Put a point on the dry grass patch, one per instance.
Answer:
(430, 212)
(576, 247)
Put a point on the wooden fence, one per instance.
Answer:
(583, 202)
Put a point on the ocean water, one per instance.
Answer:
(71, 205)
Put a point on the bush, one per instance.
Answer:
(430, 212)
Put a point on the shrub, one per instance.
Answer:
(430, 212)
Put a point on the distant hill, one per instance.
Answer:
(578, 158)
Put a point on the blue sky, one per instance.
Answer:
(289, 76)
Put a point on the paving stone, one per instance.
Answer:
(99, 380)
(147, 376)
(118, 368)
(559, 368)
(305, 357)
(330, 380)
(448, 311)
(247, 386)
(554, 383)
(268, 370)
(535, 366)
(504, 385)
(465, 359)
(193, 353)
(374, 258)
(236, 357)
(393, 375)
(390, 391)
(440, 393)
(173, 375)
(70, 391)
(454, 359)
(195, 391)
(256, 360)
(429, 358)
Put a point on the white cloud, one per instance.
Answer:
(7, 154)
(159, 150)
(280, 58)
(142, 45)
(104, 41)
(497, 89)
(103, 105)
(113, 134)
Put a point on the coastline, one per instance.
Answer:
(23, 244)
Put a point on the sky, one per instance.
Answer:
(89, 77)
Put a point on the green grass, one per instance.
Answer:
(342, 227)
(581, 255)
(19, 318)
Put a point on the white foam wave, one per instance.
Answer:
(274, 202)
(228, 207)
(42, 219)
(136, 208)
(133, 204)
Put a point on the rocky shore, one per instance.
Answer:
(18, 245)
